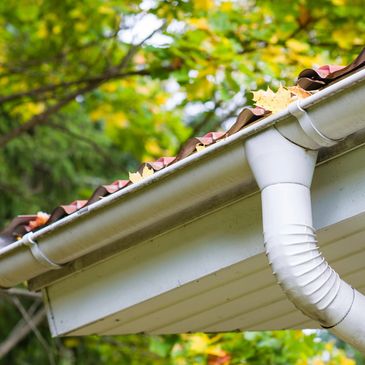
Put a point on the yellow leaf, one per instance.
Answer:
(301, 362)
(101, 112)
(76, 13)
(199, 343)
(226, 6)
(135, 177)
(274, 39)
(29, 109)
(199, 23)
(105, 10)
(273, 101)
(81, 26)
(304, 61)
(200, 89)
(297, 46)
(71, 342)
(209, 69)
(153, 147)
(42, 31)
(346, 37)
(274, 55)
(56, 29)
(199, 147)
(160, 99)
(117, 119)
(298, 334)
(299, 92)
(346, 361)
(216, 351)
(204, 4)
(110, 87)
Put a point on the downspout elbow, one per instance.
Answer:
(284, 173)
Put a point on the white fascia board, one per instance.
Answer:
(181, 192)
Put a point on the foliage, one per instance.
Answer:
(89, 88)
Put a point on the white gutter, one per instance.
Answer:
(181, 191)
(283, 171)
(168, 198)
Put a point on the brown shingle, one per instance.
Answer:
(314, 79)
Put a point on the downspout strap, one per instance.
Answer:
(38, 253)
(309, 127)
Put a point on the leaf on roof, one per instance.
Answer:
(135, 177)
(276, 101)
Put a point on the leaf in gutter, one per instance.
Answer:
(276, 101)
(299, 92)
(41, 219)
(199, 147)
(135, 177)
(272, 101)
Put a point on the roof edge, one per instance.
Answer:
(179, 187)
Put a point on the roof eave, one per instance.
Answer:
(190, 188)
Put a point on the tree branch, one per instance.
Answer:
(43, 117)
(57, 57)
(21, 292)
(34, 328)
(54, 87)
(20, 332)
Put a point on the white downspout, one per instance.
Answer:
(284, 173)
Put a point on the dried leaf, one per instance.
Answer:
(40, 220)
(135, 177)
(272, 101)
(299, 92)
(199, 147)
(276, 101)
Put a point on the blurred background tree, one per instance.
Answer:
(90, 88)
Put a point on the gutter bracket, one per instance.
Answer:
(37, 253)
(309, 127)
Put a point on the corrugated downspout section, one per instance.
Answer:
(284, 173)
